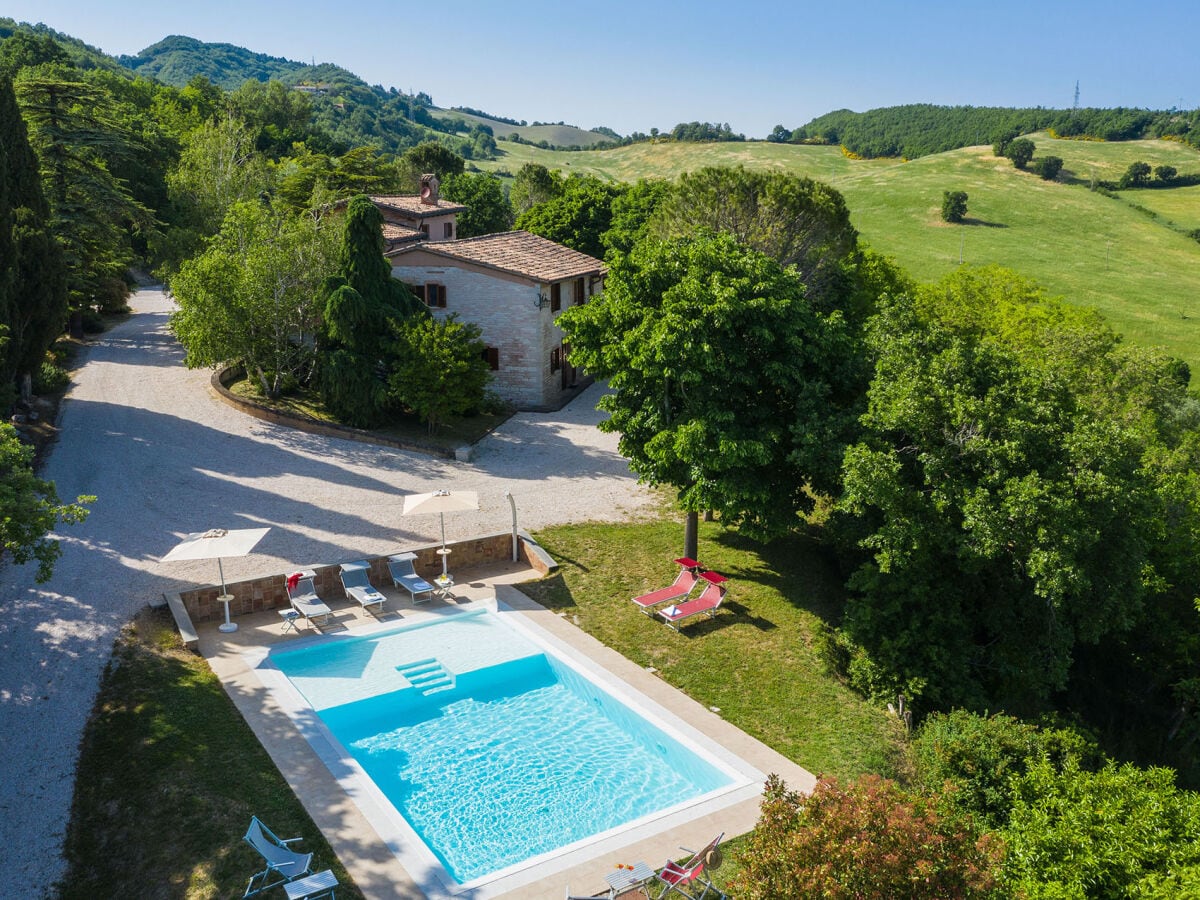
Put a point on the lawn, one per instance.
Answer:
(170, 773)
(1092, 250)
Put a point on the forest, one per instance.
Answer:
(1010, 491)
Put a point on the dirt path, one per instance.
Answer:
(165, 458)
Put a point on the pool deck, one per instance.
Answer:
(376, 870)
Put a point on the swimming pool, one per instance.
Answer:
(492, 747)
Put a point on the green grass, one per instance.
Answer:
(169, 776)
(559, 135)
(1092, 250)
(455, 432)
(754, 660)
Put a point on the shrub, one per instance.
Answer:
(1165, 174)
(954, 205)
(1049, 167)
(1136, 175)
(1021, 152)
(49, 378)
(868, 841)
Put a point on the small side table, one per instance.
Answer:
(289, 616)
(444, 583)
(226, 626)
(322, 884)
(625, 879)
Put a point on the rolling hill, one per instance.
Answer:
(557, 135)
(1134, 266)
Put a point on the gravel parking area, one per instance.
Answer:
(165, 458)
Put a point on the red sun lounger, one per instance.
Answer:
(692, 876)
(707, 603)
(684, 582)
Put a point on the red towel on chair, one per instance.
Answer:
(293, 580)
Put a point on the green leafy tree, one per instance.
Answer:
(487, 208)
(440, 371)
(954, 206)
(795, 221)
(1011, 507)
(1020, 152)
(576, 218)
(868, 840)
(1165, 174)
(218, 167)
(1006, 137)
(362, 306)
(30, 508)
(33, 278)
(533, 184)
(725, 382)
(1137, 175)
(1123, 831)
(1049, 167)
(429, 157)
(251, 296)
(632, 211)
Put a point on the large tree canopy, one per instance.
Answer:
(723, 377)
(578, 217)
(1017, 483)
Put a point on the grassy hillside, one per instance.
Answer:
(559, 135)
(1090, 249)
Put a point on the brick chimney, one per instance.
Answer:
(429, 190)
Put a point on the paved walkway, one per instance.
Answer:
(165, 458)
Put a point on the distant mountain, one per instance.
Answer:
(82, 55)
(177, 59)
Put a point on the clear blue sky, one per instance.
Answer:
(754, 64)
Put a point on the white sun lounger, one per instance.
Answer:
(356, 581)
(405, 576)
(304, 599)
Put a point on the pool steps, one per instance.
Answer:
(427, 675)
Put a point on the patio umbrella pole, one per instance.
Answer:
(227, 626)
(442, 516)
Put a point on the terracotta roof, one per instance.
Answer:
(516, 252)
(411, 205)
(395, 234)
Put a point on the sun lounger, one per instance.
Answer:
(303, 597)
(707, 603)
(692, 874)
(684, 582)
(356, 581)
(405, 576)
(283, 863)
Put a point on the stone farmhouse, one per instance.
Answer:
(512, 285)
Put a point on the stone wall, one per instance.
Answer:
(270, 592)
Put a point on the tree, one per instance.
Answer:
(33, 278)
(1000, 147)
(361, 309)
(869, 840)
(632, 211)
(533, 184)
(577, 218)
(725, 382)
(1136, 175)
(794, 220)
(1049, 167)
(487, 208)
(426, 158)
(441, 370)
(251, 296)
(1006, 485)
(1020, 152)
(30, 508)
(1165, 174)
(954, 205)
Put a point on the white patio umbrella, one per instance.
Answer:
(214, 544)
(440, 502)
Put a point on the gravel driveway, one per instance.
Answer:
(164, 458)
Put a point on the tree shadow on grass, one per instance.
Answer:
(981, 223)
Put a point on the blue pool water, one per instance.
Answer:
(520, 756)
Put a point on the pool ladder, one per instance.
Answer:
(427, 675)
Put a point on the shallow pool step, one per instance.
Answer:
(427, 675)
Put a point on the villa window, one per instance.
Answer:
(555, 297)
(448, 231)
(430, 294)
(491, 355)
(580, 292)
(425, 231)
(555, 359)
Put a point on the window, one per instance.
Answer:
(555, 359)
(424, 231)
(448, 231)
(555, 297)
(580, 292)
(491, 356)
(435, 295)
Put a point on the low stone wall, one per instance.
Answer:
(259, 594)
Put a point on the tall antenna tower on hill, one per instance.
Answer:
(1075, 107)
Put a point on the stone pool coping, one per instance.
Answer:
(376, 870)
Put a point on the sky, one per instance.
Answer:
(752, 64)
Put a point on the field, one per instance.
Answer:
(1093, 250)
(559, 135)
